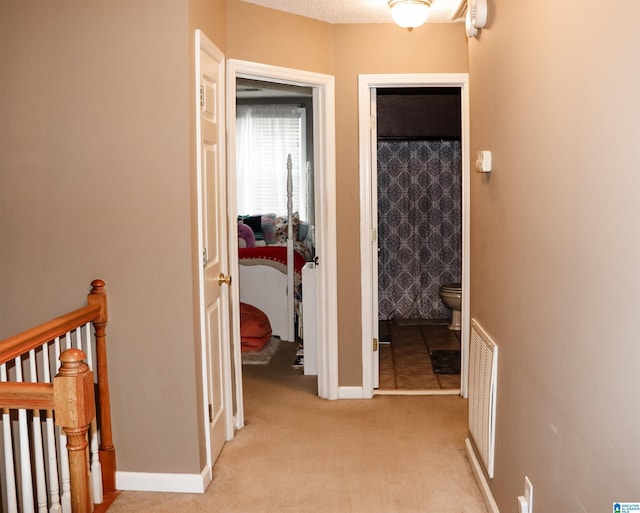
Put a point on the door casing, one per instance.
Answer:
(323, 87)
(368, 213)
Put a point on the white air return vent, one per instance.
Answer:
(483, 366)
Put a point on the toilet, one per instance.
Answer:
(451, 295)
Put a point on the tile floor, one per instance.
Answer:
(405, 363)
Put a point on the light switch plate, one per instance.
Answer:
(484, 162)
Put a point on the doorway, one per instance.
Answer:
(322, 94)
(419, 213)
(449, 87)
(275, 195)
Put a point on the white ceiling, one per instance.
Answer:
(360, 11)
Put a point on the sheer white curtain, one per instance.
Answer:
(265, 135)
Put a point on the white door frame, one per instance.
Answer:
(367, 230)
(323, 87)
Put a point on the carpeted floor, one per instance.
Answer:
(301, 454)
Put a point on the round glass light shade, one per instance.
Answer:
(409, 13)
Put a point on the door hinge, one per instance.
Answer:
(316, 261)
(210, 413)
(375, 345)
(201, 95)
(205, 258)
(372, 122)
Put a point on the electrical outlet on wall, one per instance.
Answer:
(528, 494)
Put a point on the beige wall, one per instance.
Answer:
(95, 182)
(554, 278)
(209, 16)
(267, 36)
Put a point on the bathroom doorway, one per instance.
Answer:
(416, 201)
(419, 225)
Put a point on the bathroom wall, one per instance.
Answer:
(419, 226)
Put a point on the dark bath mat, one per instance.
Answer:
(384, 335)
(445, 361)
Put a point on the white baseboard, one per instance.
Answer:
(480, 478)
(147, 482)
(350, 393)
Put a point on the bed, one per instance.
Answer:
(273, 249)
(264, 283)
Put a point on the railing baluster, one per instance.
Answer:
(65, 480)
(95, 465)
(38, 452)
(26, 483)
(9, 466)
(54, 487)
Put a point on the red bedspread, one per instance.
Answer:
(276, 254)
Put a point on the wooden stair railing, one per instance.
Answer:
(73, 397)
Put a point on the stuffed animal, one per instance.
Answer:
(246, 237)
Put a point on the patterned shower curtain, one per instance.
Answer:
(419, 226)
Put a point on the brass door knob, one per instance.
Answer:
(224, 279)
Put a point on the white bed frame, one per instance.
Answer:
(267, 288)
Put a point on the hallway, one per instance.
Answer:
(301, 454)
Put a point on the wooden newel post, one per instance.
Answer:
(74, 401)
(107, 450)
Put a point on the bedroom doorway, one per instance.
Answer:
(369, 87)
(318, 92)
(275, 191)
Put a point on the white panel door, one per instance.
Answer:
(214, 245)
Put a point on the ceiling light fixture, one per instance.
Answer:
(409, 14)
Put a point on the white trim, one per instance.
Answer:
(483, 484)
(365, 84)
(156, 482)
(366, 232)
(448, 391)
(350, 393)
(324, 157)
(232, 208)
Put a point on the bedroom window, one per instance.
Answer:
(265, 135)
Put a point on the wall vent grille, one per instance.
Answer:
(483, 366)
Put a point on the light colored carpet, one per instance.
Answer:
(301, 454)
